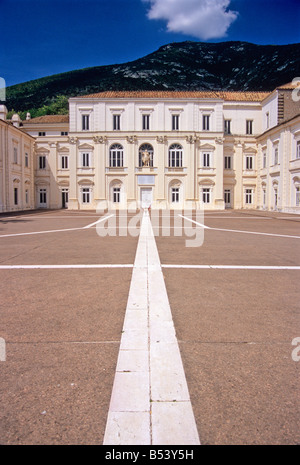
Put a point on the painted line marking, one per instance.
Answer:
(150, 402)
(98, 221)
(240, 231)
(56, 230)
(195, 222)
(55, 267)
(234, 267)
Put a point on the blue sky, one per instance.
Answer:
(45, 37)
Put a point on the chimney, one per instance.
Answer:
(28, 116)
(16, 120)
(3, 112)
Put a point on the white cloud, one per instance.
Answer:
(204, 19)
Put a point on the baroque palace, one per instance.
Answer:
(167, 149)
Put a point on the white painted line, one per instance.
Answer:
(150, 402)
(240, 231)
(255, 232)
(195, 222)
(56, 267)
(40, 232)
(98, 221)
(234, 267)
(57, 230)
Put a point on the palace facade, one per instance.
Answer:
(167, 149)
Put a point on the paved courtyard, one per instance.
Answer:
(69, 282)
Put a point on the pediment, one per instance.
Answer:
(86, 147)
(207, 147)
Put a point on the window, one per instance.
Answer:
(298, 149)
(43, 196)
(42, 133)
(175, 194)
(206, 195)
(16, 196)
(297, 196)
(15, 155)
(64, 133)
(264, 192)
(249, 126)
(42, 162)
(116, 194)
(146, 155)
(205, 122)
(27, 196)
(26, 160)
(267, 120)
(85, 122)
(86, 193)
(227, 162)
(175, 122)
(64, 162)
(175, 156)
(227, 124)
(116, 122)
(207, 159)
(146, 122)
(85, 159)
(275, 197)
(116, 156)
(264, 159)
(276, 156)
(249, 162)
(248, 196)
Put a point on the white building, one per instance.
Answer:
(16, 165)
(208, 150)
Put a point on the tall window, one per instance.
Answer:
(227, 162)
(207, 160)
(146, 122)
(264, 195)
(146, 155)
(249, 162)
(116, 156)
(64, 162)
(227, 124)
(264, 159)
(42, 162)
(275, 197)
(85, 158)
(175, 122)
(297, 196)
(86, 195)
(175, 194)
(27, 196)
(116, 122)
(15, 155)
(249, 196)
(249, 126)
(85, 122)
(276, 156)
(298, 149)
(26, 160)
(16, 196)
(175, 156)
(205, 122)
(206, 195)
(43, 196)
(116, 194)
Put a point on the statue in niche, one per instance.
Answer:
(146, 158)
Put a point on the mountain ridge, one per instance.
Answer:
(230, 66)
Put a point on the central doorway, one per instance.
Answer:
(146, 197)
